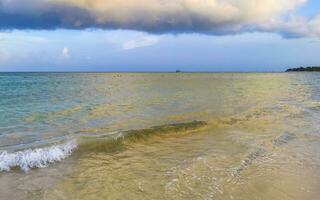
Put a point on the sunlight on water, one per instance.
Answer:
(159, 136)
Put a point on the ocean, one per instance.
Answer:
(159, 136)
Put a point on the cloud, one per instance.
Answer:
(140, 42)
(65, 52)
(295, 27)
(217, 17)
(8, 37)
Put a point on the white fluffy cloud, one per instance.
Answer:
(140, 42)
(160, 16)
(295, 26)
(65, 52)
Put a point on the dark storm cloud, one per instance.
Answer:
(156, 16)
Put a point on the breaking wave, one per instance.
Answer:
(36, 158)
(42, 157)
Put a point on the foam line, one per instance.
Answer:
(36, 158)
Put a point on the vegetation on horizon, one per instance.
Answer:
(304, 69)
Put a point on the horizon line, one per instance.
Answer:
(106, 71)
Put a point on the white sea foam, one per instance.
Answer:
(36, 158)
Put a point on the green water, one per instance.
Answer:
(159, 136)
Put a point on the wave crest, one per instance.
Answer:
(36, 158)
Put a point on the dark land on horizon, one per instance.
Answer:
(304, 69)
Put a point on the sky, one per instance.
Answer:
(159, 35)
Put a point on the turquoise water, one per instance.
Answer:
(37, 108)
(159, 135)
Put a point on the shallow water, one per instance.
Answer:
(159, 136)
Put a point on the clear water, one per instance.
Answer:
(159, 136)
